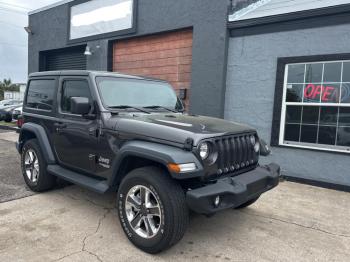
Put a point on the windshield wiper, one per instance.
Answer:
(163, 107)
(127, 107)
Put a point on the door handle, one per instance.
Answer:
(59, 126)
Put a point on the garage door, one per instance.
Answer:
(64, 59)
(166, 56)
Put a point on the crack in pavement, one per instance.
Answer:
(108, 210)
(84, 249)
(65, 256)
(296, 224)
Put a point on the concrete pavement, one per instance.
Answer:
(12, 185)
(10, 136)
(294, 222)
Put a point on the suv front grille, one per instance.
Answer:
(235, 153)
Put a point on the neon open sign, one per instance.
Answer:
(327, 93)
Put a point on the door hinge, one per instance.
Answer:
(94, 131)
(93, 157)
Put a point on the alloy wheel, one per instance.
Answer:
(143, 211)
(31, 165)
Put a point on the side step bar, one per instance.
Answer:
(90, 183)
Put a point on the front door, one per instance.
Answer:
(75, 138)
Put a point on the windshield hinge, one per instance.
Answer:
(188, 145)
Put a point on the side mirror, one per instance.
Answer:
(264, 148)
(80, 105)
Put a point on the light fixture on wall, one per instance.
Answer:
(28, 30)
(87, 51)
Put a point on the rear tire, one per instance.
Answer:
(34, 168)
(248, 203)
(158, 220)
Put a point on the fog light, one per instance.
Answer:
(217, 201)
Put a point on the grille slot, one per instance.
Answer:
(235, 153)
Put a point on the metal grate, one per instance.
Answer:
(235, 153)
(64, 59)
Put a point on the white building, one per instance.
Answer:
(16, 95)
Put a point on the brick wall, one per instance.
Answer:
(165, 56)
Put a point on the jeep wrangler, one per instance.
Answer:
(128, 134)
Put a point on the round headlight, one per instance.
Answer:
(252, 140)
(257, 147)
(204, 150)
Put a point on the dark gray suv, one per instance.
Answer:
(130, 135)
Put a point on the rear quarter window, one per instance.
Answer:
(41, 94)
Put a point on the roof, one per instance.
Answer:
(90, 72)
(49, 6)
(266, 8)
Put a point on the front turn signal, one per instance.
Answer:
(181, 168)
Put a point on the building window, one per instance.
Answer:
(316, 106)
(100, 17)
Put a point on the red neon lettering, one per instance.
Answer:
(317, 91)
(327, 92)
(312, 91)
(309, 90)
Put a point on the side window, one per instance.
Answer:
(40, 94)
(73, 88)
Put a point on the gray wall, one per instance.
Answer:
(208, 19)
(251, 79)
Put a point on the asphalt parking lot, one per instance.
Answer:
(11, 183)
(294, 222)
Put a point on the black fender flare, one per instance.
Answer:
(42, 138)
(160, 153)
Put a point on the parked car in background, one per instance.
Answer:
(6, 112)
(17, 112)
(10, 102)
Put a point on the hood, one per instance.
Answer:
(176, 127)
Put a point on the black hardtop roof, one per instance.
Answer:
(89, 73)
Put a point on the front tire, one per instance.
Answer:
(34, 168)
(152, 209)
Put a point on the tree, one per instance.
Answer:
(7, 85)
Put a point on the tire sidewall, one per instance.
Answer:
(31, 145)
(160, 196)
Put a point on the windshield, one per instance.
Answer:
(137, 93)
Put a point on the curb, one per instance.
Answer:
(317, 183)
(10, 128)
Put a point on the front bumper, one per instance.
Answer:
(233, 191)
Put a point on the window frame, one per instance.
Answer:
(112, 34)
(280, 103)
(60, 93)
(44, 111)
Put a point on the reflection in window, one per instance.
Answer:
(317, 105)
(295, 92)
(73, 88)
(40, 94)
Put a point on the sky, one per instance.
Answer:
(14, 39)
